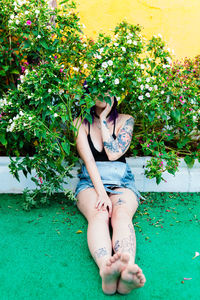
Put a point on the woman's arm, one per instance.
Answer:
(87, 156)
(115, 148)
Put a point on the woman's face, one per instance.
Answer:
(101, 103)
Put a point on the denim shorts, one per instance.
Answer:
(114, 174)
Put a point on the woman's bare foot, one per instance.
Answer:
(131, 278)
(111, 271)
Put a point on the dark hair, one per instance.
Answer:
(113, 113)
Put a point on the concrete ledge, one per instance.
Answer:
(185, 180)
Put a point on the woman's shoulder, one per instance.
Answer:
(78, 123)
(122, 118)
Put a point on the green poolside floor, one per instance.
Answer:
(43, 257)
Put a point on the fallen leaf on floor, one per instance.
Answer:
(187, 278)
(196, 254)
(79, 231)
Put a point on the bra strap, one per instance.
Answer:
(114, 127)
(88, 127)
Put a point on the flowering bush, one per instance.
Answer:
(37, 113)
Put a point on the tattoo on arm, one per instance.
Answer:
(100, 252)
(120, 202)
(125, 135)
(105, 123)
(112, 145)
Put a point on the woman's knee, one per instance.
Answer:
(99, 216)
(121, 215)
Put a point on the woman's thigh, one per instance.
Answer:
(86, 204)
(125, 202)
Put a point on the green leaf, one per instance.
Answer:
(66, 147)
(44, 44)
(3, 140)
(151, 115)
(14, 72)
(176, 115)
(182, 143)
(189, 161)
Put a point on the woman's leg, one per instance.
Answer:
(99, 241)
(124, 240)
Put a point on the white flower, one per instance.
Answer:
(29, 96)
(136, 63)
(142, 66)
(17, 22)
(26, 12)
(129, 42)
(173, 51)
(75, 69)
(101, 50)
(162, 92)
(49, 90)
(148, 80)
(123, 49)
(104, 65)
(101, 79)
(135, 43)
(116, 81)
(55, 115)
(83, 25)
(84, 45)
(110, 62)
(155, 87)
(61, 91)
(140, 97)
(12, 17)
(98, 56)
(139, 79)
(122, 89)
(39, 36)
(21, 113)
(160, 35)
(150, 89)
(30, 118)
(85, 66)
(118, 98)
(37, 11)
(194, 118)
(146, 86)
(116, 44)
(147, 95)
(130, 34)
(168, 60)
(142, 86)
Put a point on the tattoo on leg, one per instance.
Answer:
(116, 246)
(126, 244)
(120, 202)
(100, 252)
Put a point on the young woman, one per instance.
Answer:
(106, 191)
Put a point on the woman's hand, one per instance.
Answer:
(103, 201)
(106, 110)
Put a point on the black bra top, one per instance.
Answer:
(102, 156)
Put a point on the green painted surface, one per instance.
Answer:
(42, 256)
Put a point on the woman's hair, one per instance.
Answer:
(113, 113)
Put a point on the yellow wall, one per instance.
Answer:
(178, 21)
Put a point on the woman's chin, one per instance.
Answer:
(100, 104)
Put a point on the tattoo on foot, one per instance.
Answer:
(100, 252)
